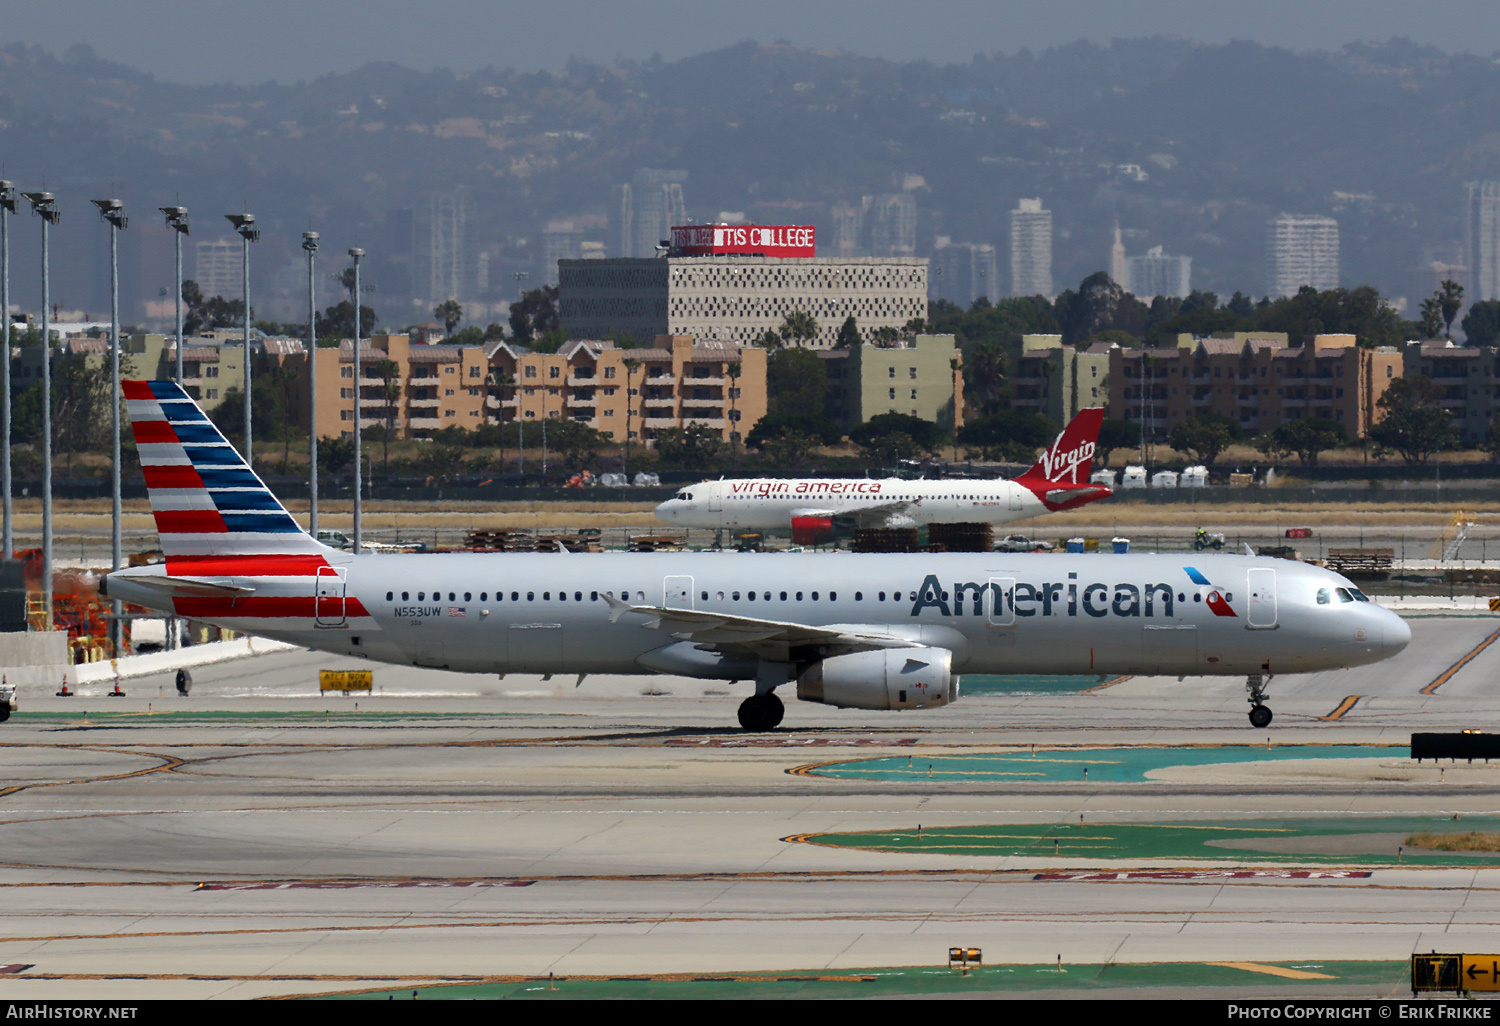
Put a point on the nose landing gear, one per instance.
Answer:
(1260, 713)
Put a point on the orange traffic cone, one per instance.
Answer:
(65, 693)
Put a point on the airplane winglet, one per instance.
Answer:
(1248, 550)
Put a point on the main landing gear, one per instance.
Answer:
(761, 712)
(1260, 713)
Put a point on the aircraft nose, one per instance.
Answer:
(664, 511)
(1397, 634)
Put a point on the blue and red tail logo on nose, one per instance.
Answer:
(1215, 598)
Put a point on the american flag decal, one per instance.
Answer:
(455, 610)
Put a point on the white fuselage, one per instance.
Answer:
(772, 503)
(997, 612)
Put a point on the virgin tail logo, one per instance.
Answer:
(1072, 455)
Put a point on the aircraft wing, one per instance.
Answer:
(897, 506)
(811, 511)
(771, 637)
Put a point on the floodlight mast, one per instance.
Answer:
(177, 219)
(310, 245)
(113, 212)
(44, 205)
(244, 224)
(7, 207)
(356, 253)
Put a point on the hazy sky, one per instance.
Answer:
(287, 40)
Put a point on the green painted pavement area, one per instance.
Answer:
(1339, 841)
(1379, 977)
(1111, 765)
(1024, 684)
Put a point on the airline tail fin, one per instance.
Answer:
(1071, 456)
(206, 500)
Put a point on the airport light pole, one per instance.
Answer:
(177, 219)
(356, 253)
(7, 207)
(310, 246)
(244, 224)
(44, 205)
(113, 211)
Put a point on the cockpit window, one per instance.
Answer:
(1344, 595)
(1359, 596)
(1323, 596)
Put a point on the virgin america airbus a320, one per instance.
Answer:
(809, 506)
(877, 632)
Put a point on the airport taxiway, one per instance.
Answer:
(257, 839)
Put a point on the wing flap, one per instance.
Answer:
(727, 629)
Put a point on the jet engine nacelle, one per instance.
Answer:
(888, 678)
(811, 530)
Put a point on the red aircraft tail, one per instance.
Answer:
(1072, 454)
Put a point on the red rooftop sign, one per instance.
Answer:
(778, 240)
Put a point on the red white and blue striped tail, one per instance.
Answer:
(207, 501)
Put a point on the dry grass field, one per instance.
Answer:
(1107, 516)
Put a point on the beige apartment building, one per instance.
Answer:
(1469, 380)
(1254, 379)
(621, 392)
(634, 393)
(1057, 381)
(923, 378)
(210, 365)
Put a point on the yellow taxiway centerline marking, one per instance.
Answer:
(1447, 674)
(1343, 707)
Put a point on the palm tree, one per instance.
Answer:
(799, 328)
(631, 363)
(1450, 297)
(733, 373)
(984, 373)
(389, 372)
(501, 380)
(450, 313)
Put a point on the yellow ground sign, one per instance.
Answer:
(345, 680)
(1480, 972)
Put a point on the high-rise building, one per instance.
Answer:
(561, 240)
(1157, 274)
(1117, 259)
(642, 213)
(217, 268)
(891, 224)
(961, 272)
(1030, 249)
(848, 226)
(621, 221)
(1482, 238)
(440, 229)
(1301, 249)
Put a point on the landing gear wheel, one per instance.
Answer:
(761, 712)
(1260, 716)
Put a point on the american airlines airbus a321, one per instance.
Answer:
(861, 631)
(1059, 480)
